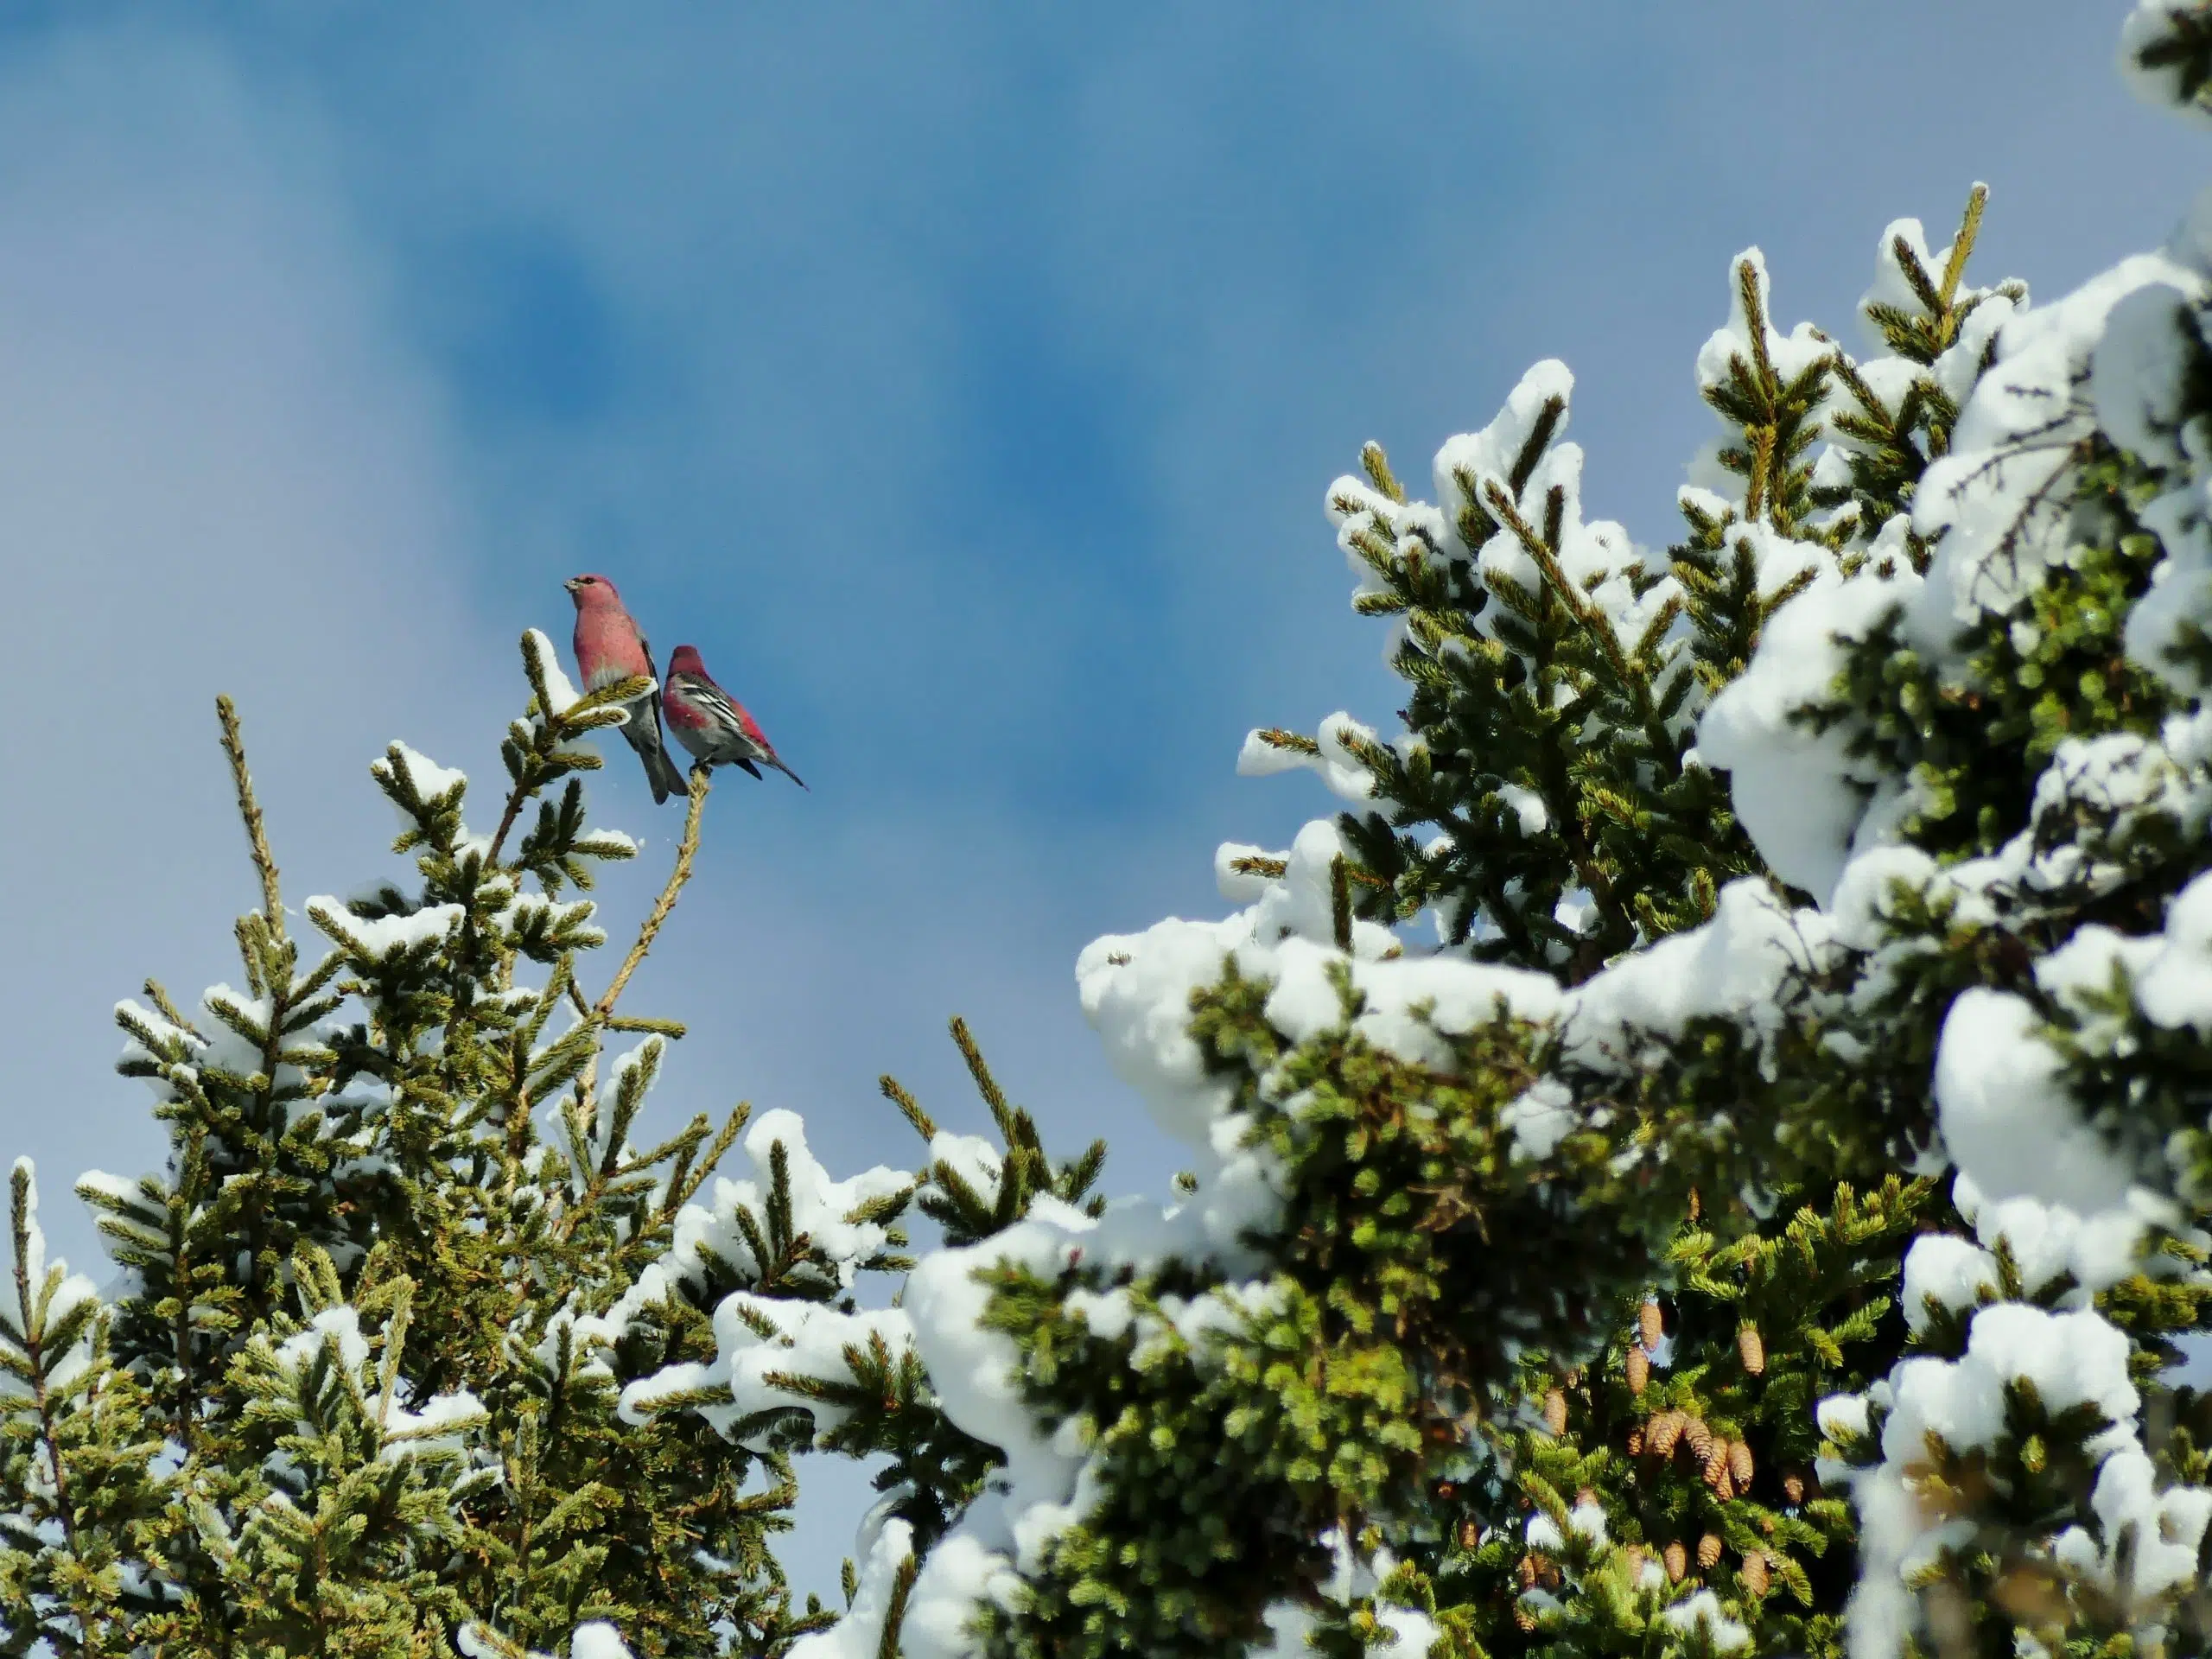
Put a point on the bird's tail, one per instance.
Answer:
(665, 777)
(786, 771)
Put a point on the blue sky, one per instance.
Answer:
(964, 381)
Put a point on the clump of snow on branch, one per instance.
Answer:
(58, 1298)
(1994, 498)
(764, 1343)
(827, 1212)
(1701, 1614)
(374, 941)
(1601, 565)
(545, 666)
(2006, 1113)
(334, 1334)
(2064, 1362)
(1336, 762)
(1732, 965)
(2147, 1542)
(432, 782)
(1798, 790)
(1136, 988)
(1047, 1483)
(1292, 1627)
(860, 1633)
(2164, 81)
(597, 1640)
(2109, 358)
(594, 1639)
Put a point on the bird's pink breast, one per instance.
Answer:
(607, 648)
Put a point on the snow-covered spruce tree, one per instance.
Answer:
(356, 1389)
(1765, 1217)
(1761, 1216)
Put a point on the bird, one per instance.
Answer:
(713, 724)
(610, 646)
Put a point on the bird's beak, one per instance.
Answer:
(573, 583)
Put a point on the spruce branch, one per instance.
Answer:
(1292, 742)
(1340, 903)
(35, 1338)
(897, 1094)
(159, 994)
(265, 862)
(1954, 268)
(894, 1616)
(1378, 466)
(686, 1178)
(534, 754)
(986, 1084)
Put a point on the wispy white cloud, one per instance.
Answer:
(218, 470)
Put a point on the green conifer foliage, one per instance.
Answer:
(359, 1391)
(1773, 1231)
(1708, 1152)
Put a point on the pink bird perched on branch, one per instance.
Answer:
(610, 647)
(713, 724)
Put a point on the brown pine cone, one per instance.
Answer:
(1700, 1438)
(1749, 1349)
(1716, 1464)
(1677, 1559)
(1793, 1487)
(1523, 1618)
(1528, 1570)
(1639, 1370)
(1648, 1324)
(1708, 1551)
(1662, 1430)
(1753, 1573)
(1739, 1464)
(1555, 1412)
(1636, 1441)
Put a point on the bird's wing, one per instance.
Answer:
(652, 668)
(751, 728)
(725, 711)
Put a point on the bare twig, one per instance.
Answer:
(686, 850)
(516, 797)
(600, 1013)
